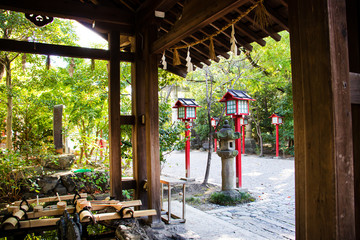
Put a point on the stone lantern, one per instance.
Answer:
(227, 152)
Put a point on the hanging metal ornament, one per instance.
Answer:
(189, 65)
(39, 20)
(233, 41)
(163, 61)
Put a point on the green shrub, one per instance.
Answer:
(14, 176)
(225, 200)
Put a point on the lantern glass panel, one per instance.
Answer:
(241, 121)
(280, 120)
(245, 121)
(231, 107)
(274, 120)
(190, 112)
(243, 107)
(181, 112)
(213, 123)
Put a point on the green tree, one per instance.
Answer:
(14, 25)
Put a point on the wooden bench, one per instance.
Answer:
(168, 217)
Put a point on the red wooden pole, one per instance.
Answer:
(215, 142)
(243, 139)
(238, 147)
(277, 140)
(187, 149)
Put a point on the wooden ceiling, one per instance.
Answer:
(184, 22)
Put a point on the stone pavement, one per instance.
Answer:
(269, 180)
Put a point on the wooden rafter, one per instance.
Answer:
(199, 14)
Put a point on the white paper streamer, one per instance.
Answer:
(233, 41)
(189, 65)
(163, 61)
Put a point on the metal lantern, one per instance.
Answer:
(237, 102)
(186, 108)
(276, 119)
(243, 121)
(187, 112)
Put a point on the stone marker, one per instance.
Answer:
(57, 128)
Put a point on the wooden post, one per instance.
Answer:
(114, 115)
(139, 131)
(353, 24)
(146, 138)
(322, 120)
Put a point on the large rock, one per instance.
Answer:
(59, 162)
(47, 184)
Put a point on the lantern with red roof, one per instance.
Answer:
(186, 112)
(277, 120)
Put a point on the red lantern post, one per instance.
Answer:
(243, 123)
(237, 104)
(214, 122)
(186, 112)
(277, 119)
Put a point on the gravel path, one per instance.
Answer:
(271, 181)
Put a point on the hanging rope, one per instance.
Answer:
(234, 49)
(189, 65)
(163, 61)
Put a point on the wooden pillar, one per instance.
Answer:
(146, 130)
(114, 115)
(322, 120)
(353, 25)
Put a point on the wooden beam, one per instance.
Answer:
(114, 116)
(60, 50)
(127, 120)
(324, 185)
(195, 16)
(72, 10)
(355, 87)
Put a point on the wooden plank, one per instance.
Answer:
(72, 10)
(114, 116)
(355, 87)
(60, 50)
(127, 120)
(322, 121)
(195, 16)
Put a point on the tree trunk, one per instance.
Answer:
(208, 100)
(258, 131)
(9, 117)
